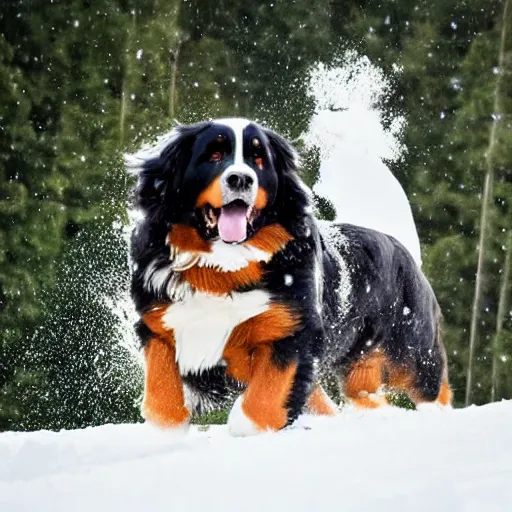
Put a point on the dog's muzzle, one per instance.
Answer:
(239, 187)
(239, 182)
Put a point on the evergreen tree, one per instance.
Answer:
(32, 216)
(57, 132)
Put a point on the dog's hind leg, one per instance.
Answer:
(424, 378)
(319, 403)
(364, 380)
(417, 362)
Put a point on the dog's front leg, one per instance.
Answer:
(164, 404)
(264, 404)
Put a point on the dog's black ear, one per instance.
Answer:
(294, 197)
(158, 167)
(284, 155)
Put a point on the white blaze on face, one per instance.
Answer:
(232, 222)
(238, 125)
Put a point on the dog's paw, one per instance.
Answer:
(178, 423)
(367, 400)
(167, 434)
(239, 424)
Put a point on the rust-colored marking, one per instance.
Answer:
(270, 238)
(400, 377)
(445, 395)
(364, 379)
(211, 195)
(403, 378)
(154, 320)
(277, 323)
(261, 199)
(319, 403)
(365, 375)
(164, 403)
(186, 238)
(210, 280)
(266, 396)
(238, 360)
(274, 324)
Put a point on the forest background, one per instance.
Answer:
(82, 82)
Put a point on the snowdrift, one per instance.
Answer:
(388, 459)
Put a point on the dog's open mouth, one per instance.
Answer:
(232, 220)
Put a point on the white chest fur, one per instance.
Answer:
(203, 323)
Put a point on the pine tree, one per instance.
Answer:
(487, 194)
(32, 216)
(57, 132)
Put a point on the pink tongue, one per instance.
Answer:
(233, 224)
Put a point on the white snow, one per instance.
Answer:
(388, 459)
(239, 424)
(348, 129)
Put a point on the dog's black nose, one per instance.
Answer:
(239, 181)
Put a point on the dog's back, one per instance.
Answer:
(381, 317)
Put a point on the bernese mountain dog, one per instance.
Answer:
(236, 282)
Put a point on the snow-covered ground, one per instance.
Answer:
(388, 459)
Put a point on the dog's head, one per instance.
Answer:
(227, 178)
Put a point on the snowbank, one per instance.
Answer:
(388, 459)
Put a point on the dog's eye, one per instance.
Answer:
(216, 157)
(259, 162)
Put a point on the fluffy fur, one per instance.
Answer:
(242, 289)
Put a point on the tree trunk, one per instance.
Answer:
(174, 56)
(122, 114)
(486, 202)
(126, 81)
(500, 317)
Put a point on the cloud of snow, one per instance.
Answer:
(347, 109)
(354, 134)
(122, 305)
